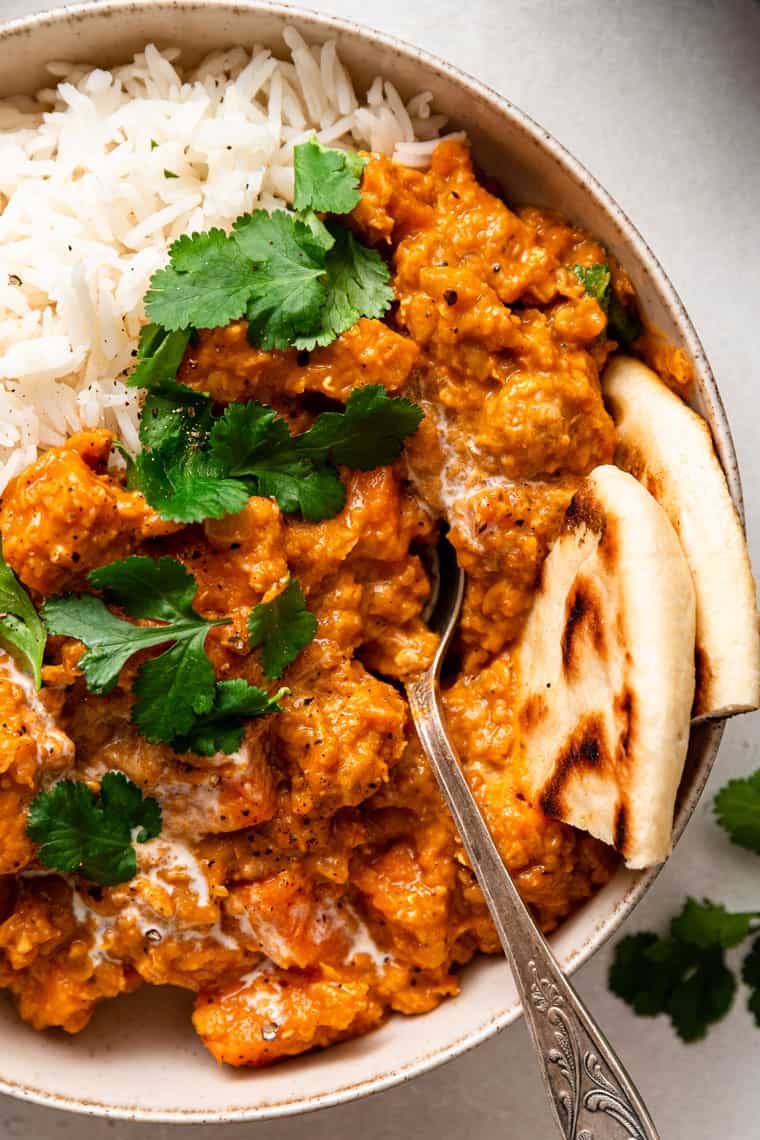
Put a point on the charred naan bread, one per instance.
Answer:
(669, 449)
(606, 667)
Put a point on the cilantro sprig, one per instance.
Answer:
(298, 281)
(684, 974)
(623, 324)
(22, 634)
(196, 465)
(78, 831)
(221, 729)
(178, 700)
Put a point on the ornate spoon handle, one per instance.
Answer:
(592, 1095)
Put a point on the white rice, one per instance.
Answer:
(87, 209)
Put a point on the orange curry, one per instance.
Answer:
(312, 882)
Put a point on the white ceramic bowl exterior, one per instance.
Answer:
(139, 1058)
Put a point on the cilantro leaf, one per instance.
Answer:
(751, 978)
(319, 230)
(692, 985)
(76, 833)
(178, 700)
(702, 997)
(326, 180)
(282, 627)
(710, 924)
(623, 324)
(737, 808)
(182, 484)
(159, 355)
(369, 433)
(595, 279)
(173, 690)
(253, 443)
(119, 795)
(248, 435)
(110, 639)
(261, 236)
(684, 975)
(206, 284)
(358, 285)
(287, 292)
(175, 473)
(162, 590)
(170, 689)
(22, 634)
(220, 729)
(173, 414)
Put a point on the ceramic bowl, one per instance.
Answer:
(139, 1058)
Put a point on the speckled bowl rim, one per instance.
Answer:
(313, 22)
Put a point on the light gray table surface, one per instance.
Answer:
(661, 100)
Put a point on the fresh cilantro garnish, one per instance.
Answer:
(183, 483)
(252, 443)
(159, 355)
(623, 324)
(737, 809)
(178, 700)
(299, 282)
(206, 284)
(326, 181)
(22, 634)
(171, 690)
(221, 729)
(287, 292)
(175, 471)
(684, 975)
(369, 433)
(196, 465)
(282, 627)
(595, 279)
(76, 832)
(170, 174)
(357, 286)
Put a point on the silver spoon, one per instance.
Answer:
(592, 1096)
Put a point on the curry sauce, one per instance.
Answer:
(312, 882)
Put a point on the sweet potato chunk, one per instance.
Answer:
(64, 516)
(278, 1013)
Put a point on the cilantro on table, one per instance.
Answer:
(298, 281)
(623, 324)
(737, 808)
(282, 627)
(197, 465)
(684, 974)
(22, 634)
(175, 692)
(78, 831)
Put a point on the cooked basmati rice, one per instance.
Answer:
(100, 174)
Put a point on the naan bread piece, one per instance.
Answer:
(606, 670)
(669, 449)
